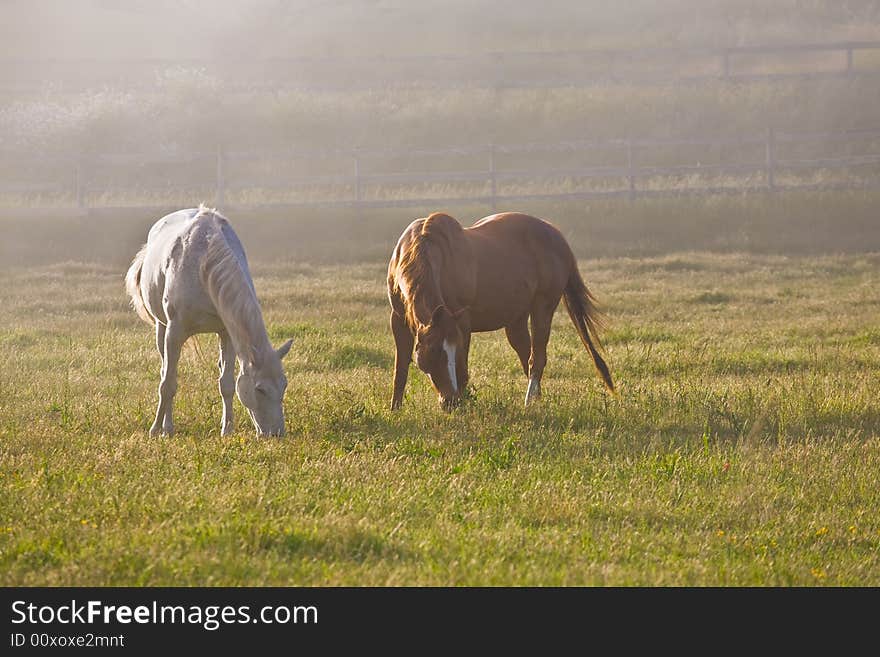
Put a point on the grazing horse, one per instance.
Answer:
(191, 277)
(446, 282)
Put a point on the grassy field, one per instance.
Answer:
(796, 223)
(743, 449)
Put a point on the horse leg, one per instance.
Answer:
(168, 384)
(226, 364)
(541, 319)
(160, 339)
(518, 337)
(461, 366)
(403, 344)
(160, 347)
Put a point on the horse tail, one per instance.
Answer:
(588, 320)
(133, 286)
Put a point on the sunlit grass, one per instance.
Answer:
(743, 448)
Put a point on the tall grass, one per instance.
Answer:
(781, 223)
(188, 117)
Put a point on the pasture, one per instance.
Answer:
(742, 450)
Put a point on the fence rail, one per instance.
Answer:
(528, 69)
(360, 186)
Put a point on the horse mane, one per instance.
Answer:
(229, 286)
(414, 267)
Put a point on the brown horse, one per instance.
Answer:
(446, 282)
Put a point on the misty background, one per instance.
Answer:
(311, 119)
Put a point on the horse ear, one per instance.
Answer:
(283, 349)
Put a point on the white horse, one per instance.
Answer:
(191, 277)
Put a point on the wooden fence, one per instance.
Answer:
(493, 69)
(494, 177)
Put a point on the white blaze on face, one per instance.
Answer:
(450, 363)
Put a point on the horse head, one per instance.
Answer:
(439, 347)
(260, 387)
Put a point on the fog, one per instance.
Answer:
(170, 29)
(338, 111)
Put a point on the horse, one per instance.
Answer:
(446, 282)
(192, 276)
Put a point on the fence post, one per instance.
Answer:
(770, 149)
(79, 183)
(492, 178)
(220, 190)
(498, 70)
(630, 168)
(357, 185)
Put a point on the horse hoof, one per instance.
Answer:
(449, 405)
(533, 392)
(161, 432)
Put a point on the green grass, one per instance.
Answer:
(796, 223)
(743, 449)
